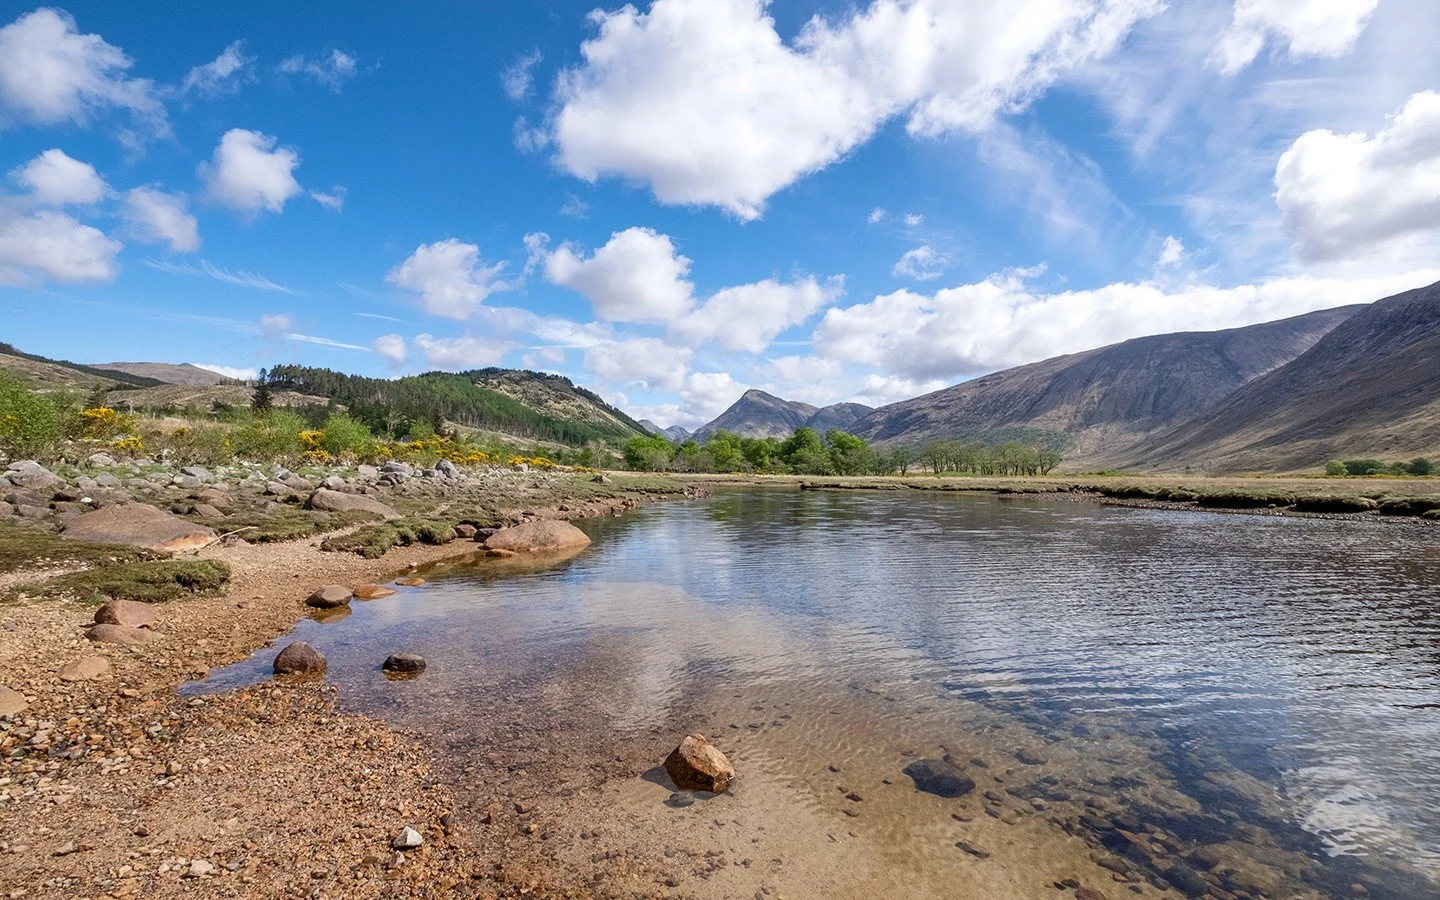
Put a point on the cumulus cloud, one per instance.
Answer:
(51, 73)
(249, 173)
(237, 373)
(880, 390)
(453, 354)
(637, 276)
(222, 75)
(333, 199)
(703, 101)
(448, 278)
(914, 220)
(1305, 28)
(1172, 253)
(54, 179)
(749, 316)
(328, 71)
(648, 361)
(876, 216)
(392, 347)
(156, 217)
(1344, 194)
(277, 325)
(50, 245)
(922, 264)
(1001, 322)
(519, 76)
(705, 395)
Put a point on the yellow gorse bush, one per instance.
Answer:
(102, 422)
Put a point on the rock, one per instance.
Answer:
(85, 668)
(100, 459)
(296, 483)
(6, 510)
(1186, 880)
(697, 765)
(199, 472)
(1030, 758)
(1085, 893)
(600, 479)
(299, 658)
(125, 612)
(371, 591)
(521, 467)
(334, 501)
(333, 483)
(410, 582)
(973, 850)
(138, 525)
(403, 664)
(681, 799)
(189, 482)
(366, 471)
(936, 776)
(33, 512)
(500, 554)
(207, 511)
(329, 597)
(397, 467)
(447, 468)
(11, 701)
(124, 635)
(27, 473)
(465, 532)
(538, 537)
(407, 839)
(214, 497)
(275, 489)
(106, 480)
(199, 868)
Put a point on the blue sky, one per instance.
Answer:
(674, 201)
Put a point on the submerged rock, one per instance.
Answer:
(533, 537)
(300, 658)
(403, 664)
(936, 776)
(698, 765)
(371, 591)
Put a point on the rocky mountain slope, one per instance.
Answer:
(839, 415)
(170, 373)
(1368, 388)
(41, 373)
(758, 414)
(1098, 404)
(674, 434)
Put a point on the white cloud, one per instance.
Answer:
(54, 179)
(879, 390)
(1306, 28)
(453, 354)
(238, 374)
(208, 269)
(328, 71)
(922, 264)
(448, 278)
(1172, 253)
(637, 276)
(648, 361)
(325, 342)
(876, 216)
(704, 102)
(51, 73)
(333, 199)
(517, 79)
(1343, 195)
(51, 245)
(392, 347)
(749, 316)
(248, 173)
(802, 369)
(277, 325)
(914, 220)
(999, 322)
(222, 75)
(705, 395)
(155, 217)
(574, 207)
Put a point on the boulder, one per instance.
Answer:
(106, 480)
(371, 591)
(27, 473)
(138, 525)
(329, 597)
(939, 777)
(189, 482)
(447, 468)
(11, 701)
(130, 613)
(412, 581)
(333, 483)
(199, 472)
(207, 511)
(214, 497)
(85, 668)
(697, 765)
(466, 532)
(6, 510)
(100, 459)
(397, 467)
(296, 483)
(403, 664)
(367, 471)
(275, 489)
(535, 537)
(124, 635)
(334, 501)
(300, 658)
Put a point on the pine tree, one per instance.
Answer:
(260, 400)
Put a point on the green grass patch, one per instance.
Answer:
(36, 548)
(289, 524)
(374, 541)
(147, 582)
(1410, 506)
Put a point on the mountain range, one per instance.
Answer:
(758, 414)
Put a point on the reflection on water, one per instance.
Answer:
(1279, 676)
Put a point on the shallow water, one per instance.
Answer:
(1266, 686)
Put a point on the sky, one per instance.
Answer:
(674, 201)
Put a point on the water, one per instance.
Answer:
(1268, 687)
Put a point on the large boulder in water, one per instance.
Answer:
(536, 537)
(138, 525)
(697, 765)
(300, 658)
(939, 777)
(329, 597)
(335, 501)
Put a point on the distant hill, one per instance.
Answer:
(201, 398)
(758, 414)
(674, 433)
(168, 373)
(44, 374)
(1369, 388)
(840, 415)
(1098, 404)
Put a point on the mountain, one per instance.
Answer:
(1369, 388)
(1097, 404)
(44, 374)
(758, 414)
(675, 433)
(840, 415)
(169, 373)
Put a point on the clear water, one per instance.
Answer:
(1278, 676)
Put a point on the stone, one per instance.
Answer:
(500, 554)
(189, 482)
(214, 497)
(299, 658)
(973, 850)
(138, 525)
(397, 467)
(100, 459)
(207, 511)
(413, 581)
(407, 839)
(1085, 893)
(538, 537)
(1186, 880)
(939, 777)
(199, 472)
(447, 468)
(366, 471)
(329, 597)
(6, 510)
(698, 765)
(125, 612)
(403, 664)
(1030, 758)
(334, 501)
(296, 483)
(371, 591)
(85, 668)
(106, 480)
(199, 868)
(11, 701)
(333, 483)
(124, 635)
(466, 532)
(275, 489)
(27, 473)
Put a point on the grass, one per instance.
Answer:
(147, 582)
(289, 524)
(374, 541)
(36, 548)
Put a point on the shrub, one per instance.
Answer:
(1419, 466)
(273, 437)
(1336, 469)
(1364, 466)
(30, 423)
(343, 437)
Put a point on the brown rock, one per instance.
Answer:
(537, 537)
(697, 765)
(413, 581)
(371, 591)
(214, 497)
(124, 635)
(1085, 893)
(125, 612)
(403, 664)
(207, 511)
(85, 668)
(500, 554)
(300, 658)
(465, 532)
(329, 597)
(11, 701)
(138, 525)
(334, 501)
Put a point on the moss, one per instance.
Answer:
(1410, 506)
(34, 548)
(288, 524)
(1236, 499)
(374, 541)
(147, 582)
(1334, 504)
